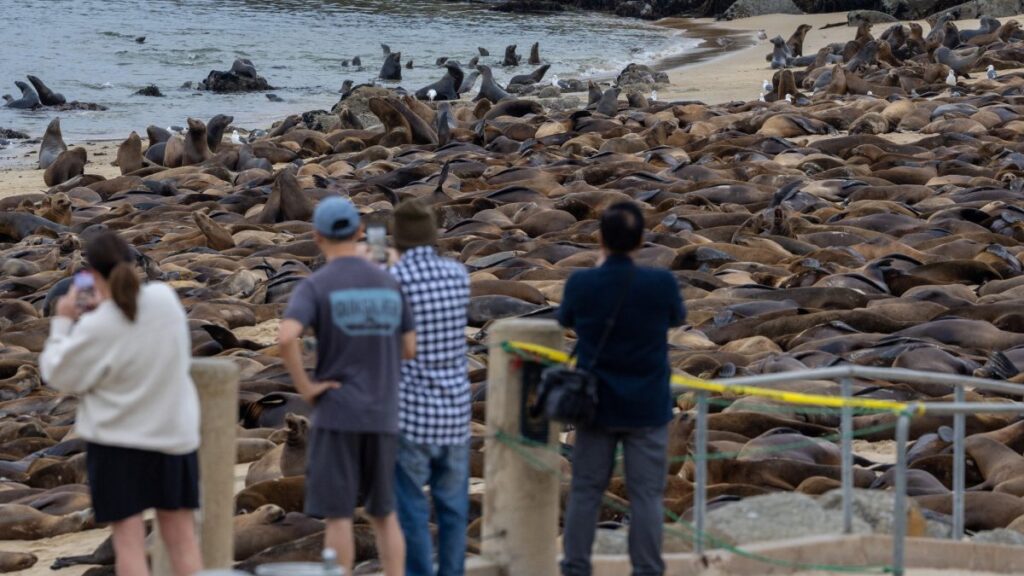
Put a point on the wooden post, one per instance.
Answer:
(216, 382)
(521, 501)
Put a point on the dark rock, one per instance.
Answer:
(914, 9)
(241, 78)
(321, 120)
(12, 134)
(634, 9)
(529, 7)
(640, 77)
(572, 85)
(870, 16)
(978, 8)
(151, 90)
(821, 6)
(76, 105)
(749, 8)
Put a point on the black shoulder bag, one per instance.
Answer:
(568, 394)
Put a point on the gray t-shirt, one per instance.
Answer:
(359, 315)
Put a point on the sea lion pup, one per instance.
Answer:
(489, 88)
(29, 99)
(58, 210)
(511, 58)
(534, 55)
(609, 103)
(46, 96)
(69, 164)
(780, 54)
(447, 88)
(52, 145)
(531, 78)
(795, 44)
(961, 65)
(129, 154)
(215, 130)
(197, 150)
(392, 68)
(469, 81)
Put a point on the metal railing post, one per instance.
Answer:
(899, 519)
(846, 430)
(959, 466)
(700, 460)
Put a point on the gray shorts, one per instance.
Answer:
(348, 469)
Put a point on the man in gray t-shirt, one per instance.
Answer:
(364, 328)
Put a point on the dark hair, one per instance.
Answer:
(622, 228)
(113, 259)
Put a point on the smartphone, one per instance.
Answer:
(85, 288)
(377, 240)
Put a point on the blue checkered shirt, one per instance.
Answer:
(435, 395)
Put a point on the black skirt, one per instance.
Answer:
(125, 482)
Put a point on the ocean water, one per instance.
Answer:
(86, 50)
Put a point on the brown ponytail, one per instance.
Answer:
(124, 289)
(113, 259)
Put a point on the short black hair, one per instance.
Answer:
(622, 228)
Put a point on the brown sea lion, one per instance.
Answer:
(795, 44)
(16, 561)
(58, 210)
(197, 150)
(286, 460)
(286, 493)
(66, 166)
(270, 526)
(129, 154)
(982, 510)
(217, 237)
(252, 449)
(19, 522)
(286, 202)
(52, 145)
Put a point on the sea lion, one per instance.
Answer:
(217, 237)
(29, 99)
(795, 44)
(470, 80)
(286, 460)
(447, 88)
(15, 226)
(997, 462)
(67, 165)
(46, 96)
(982, 510)
(215, 130)
(286, 493)
(16, 561)
(534, 56)
(489, 88)
(19, 522)
(609, 103)
(780, 55)
(511, 58)
(286, 201)
(129, 154)
(961, 65)
(58, 210)
(52, 144)
(197, 149)
(531, 78)
(594, 93)
(392, 68)
(270, 526)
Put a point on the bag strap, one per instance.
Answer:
(610, 322)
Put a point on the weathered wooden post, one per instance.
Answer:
(521, 502)
(216, 382)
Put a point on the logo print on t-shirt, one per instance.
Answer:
(366, 311)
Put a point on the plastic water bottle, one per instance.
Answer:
(331, 567)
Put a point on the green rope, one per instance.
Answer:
(522, 445)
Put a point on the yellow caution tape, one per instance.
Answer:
(559, 357)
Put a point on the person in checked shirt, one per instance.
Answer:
(434, 398)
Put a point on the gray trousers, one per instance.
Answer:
(646, 466)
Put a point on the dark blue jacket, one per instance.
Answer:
(633, 368)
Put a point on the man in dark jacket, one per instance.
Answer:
(634, 401)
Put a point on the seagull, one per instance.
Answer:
(762, 35)
(235, 138)
(766, 86)
(431, 94)
(789, 98)
(654, 95)
(991, 72)
(951, 79)
(870, 93)
(762, 97)
(554, 81)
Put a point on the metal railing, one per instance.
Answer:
(847, 402)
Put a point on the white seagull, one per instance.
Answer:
(789, 98)
(991, 72)
(766, 86)
(431, 94)
(236, 138)
(554, 81)
(654, 95)
(951, 79)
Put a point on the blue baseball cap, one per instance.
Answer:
(336, 218)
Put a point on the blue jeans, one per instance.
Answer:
(445, 469)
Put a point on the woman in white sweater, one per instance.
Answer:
(128, 361)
